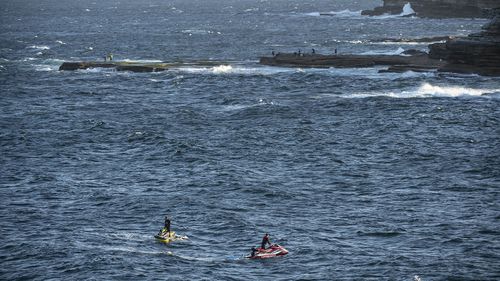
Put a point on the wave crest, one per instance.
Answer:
(427, 90)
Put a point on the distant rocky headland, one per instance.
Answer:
(439, 8)
(477, 53)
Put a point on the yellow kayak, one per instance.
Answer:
(164, 237)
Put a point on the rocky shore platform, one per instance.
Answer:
(118, 65)
(413, 60)
(478, 53)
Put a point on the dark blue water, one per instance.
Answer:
(360, 175)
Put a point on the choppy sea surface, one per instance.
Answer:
(360, 175)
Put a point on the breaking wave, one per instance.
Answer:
(341, 14)
(222, 69)
(142, 61)
(399, 51)
(407, 10)
(313, 14)
(37, 47)
(225, 69)
(199, 32)
(427, 90)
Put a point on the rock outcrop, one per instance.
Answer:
(417, 61)
(438, 8)
(477, 53)
(119, 66)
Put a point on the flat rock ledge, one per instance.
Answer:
(397, 63)
(478, 53)
(119, 66)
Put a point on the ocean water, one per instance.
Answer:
(360, 175)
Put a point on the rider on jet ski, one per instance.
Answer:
(265, 240)
(165, 232)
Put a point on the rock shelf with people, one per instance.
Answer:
(118, 65)
(411, 60)
(478, 53)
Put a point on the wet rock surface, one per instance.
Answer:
(119, 66)
(477, 53)
(413, 60)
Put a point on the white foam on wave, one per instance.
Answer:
(386, 16)
(94, 70)
(430, 90)
(44, 68)
(347, 14)
(142, 61)
(222, 69)
(45, 65)
(54, 61)
(411, 43)
(427, 90)
(313, 14)
(60, 42)
(225, 69)
(342, 14)
(39, 47)
(239, 107)
(199, 32)
(251, 10)
(235, 107)
(399, 51)
(132, 250)
(407, 10)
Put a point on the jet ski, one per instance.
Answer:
(274, 251)
(163, 236)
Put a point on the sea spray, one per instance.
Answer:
(407, 10)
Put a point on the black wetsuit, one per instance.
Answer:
(253, 252)
(167, 224)
(265, 241)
